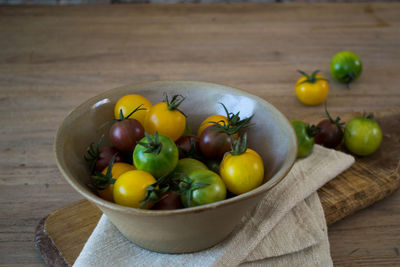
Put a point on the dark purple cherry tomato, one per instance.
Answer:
(214, 143)
(330, 132)
(188, 146)
(125, 134)
(213, 165)
(171, 202)
(104, 157)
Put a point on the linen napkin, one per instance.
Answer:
(287, 228)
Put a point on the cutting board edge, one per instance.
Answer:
(48, 250)
(331, 220)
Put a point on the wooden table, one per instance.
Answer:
(53, 58)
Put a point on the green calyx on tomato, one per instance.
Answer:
(345, 66)
(101, 181)
(240, 145)
(154, 193)
(201, 187)
(336, 121)
(188, 146)
(311, 78)
(187, 130)
(156, 154)
(234, 125)
(122, 117)
(175, 102)
(186, 186)
(305, 137)
(178, 180)
(362, 136)
(92, 153)
(152, 145)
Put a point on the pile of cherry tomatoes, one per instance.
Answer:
(362, 135)
(155, 162)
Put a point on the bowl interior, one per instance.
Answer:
(271, 135)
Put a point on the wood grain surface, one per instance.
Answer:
(61, 237)
(53, 58)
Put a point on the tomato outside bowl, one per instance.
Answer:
(183, 230)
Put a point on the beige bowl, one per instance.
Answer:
(191, 229)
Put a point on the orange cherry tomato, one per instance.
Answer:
(166, 119)
(128, 103)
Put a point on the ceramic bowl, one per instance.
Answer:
(191, 229)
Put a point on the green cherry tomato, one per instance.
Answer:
(362, 136)
(346, 66)
(156, 154)
(305, 138)
(212, 188)
(186, 166)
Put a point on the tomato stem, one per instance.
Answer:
(122, 117)
(102, 181)
(93, 153)
(152, 145)
(234, 125)
(349, 77)
(369, 116)
(185, 186)
(192, 151)
(175, 102)
(313, 130)
(311, 78)
(153, 192)
(239, 146)
(336, 121)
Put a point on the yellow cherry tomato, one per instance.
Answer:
(166, 119)
(208, 122)
(129, 103)
(117, 169)
(130, 188)
(312, 89)
(242, 173)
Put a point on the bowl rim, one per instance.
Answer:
(58, 150)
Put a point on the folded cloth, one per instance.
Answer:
(287, 228)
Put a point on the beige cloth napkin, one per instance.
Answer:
(287, 228)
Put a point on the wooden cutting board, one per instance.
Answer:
(61, 236)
